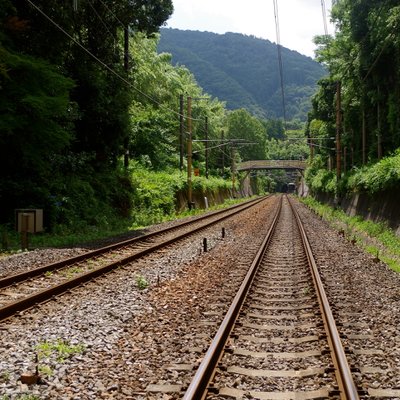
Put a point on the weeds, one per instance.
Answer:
(141, 282)
(70, 272)
(387, 247)
(61, 349)
(45, 370)
(5, 376)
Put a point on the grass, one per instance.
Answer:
(61, 349)
(385, 244)
(65, 239)
(141, 282)
(70, 272)
(5, 376)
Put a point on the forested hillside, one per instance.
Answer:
(89, 110)
(363, 60)
(243, 71)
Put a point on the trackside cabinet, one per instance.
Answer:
(29, 220)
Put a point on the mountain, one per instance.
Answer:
(244, 71)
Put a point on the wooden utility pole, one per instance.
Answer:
(310, 142)
(338, 130)
(181, 133)
(364, 139)
(126, 67)
(189, 152)
(233, 167)
(206, 129)
(223, 151)
(378, 117)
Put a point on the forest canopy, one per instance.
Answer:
(86, 98)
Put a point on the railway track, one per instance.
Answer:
(22, 291)
(279, 339)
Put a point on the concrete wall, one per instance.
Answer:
(213, 198)
(381, 207)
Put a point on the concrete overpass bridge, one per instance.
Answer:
(272, 164)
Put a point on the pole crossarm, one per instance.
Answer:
(271, 164)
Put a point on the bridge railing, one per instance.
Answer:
(271, 164)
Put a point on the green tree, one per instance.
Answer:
(365, 57)
(244, 127)
(36, 125)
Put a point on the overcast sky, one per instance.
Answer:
(299, 20)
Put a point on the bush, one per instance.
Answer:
(385, 174)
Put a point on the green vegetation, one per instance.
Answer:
(364, 58)
(142, 282)
(95, 141)
(373, 178)
(385, 246)
(59, 349)
(243, 71)
(5, 376)
(154, 199)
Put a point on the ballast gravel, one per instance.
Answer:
(109, 339)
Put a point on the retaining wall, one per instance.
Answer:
(381, 207)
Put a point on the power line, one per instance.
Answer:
(103, 63)
(102, 21)
(324, 17)
(279, 48)
(108, 8)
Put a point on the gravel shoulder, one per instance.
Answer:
(130, 339)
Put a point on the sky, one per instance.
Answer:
(299, 20)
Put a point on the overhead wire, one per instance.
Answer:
(104, 64)
(279, 48)
(111, 12)
(103, 22)
(324, 17)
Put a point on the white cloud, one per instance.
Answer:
(299, 20)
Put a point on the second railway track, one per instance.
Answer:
(22, 291)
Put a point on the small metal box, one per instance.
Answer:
(29, 220)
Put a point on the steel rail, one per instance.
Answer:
(205, 372)
(44, 295)
(198, 387)
(347, 387)
(12, 279)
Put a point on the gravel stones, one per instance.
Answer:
(128, 334)
(133, 338)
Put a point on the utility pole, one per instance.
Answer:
(233, 169)
(206, 129)
(338, 130)
(189, 152)
(223, 151)
(364, 138)
(378, 117)
(126, 67)
(181, 132)
(310, 142)
(338, 146)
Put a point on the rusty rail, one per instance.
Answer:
(347, 387)
(197, 388)
(12, 279)
(30, 301)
